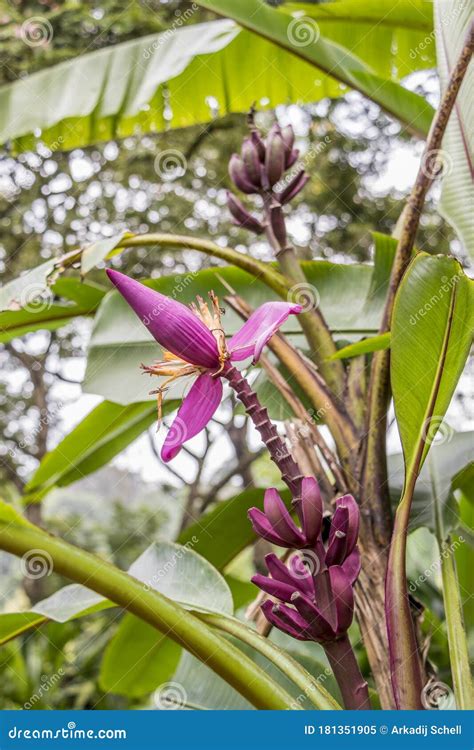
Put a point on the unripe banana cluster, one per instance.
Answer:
(257, 170)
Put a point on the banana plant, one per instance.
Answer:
(409, 323)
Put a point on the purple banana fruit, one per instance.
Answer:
(251, 162)
(294, 187)
(241, 216)
(274, 156)
(238, 175)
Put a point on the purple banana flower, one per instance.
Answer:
(316, 600)
(194, 345)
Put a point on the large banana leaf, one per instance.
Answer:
(432, 327)
(306, 39)
(385, 35)
(130, 87)
(457, 155)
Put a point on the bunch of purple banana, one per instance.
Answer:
(259, 169)
(312, 596)
(316, 601)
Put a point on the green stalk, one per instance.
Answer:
(405, 663)
(263, 271)
(353, 687)
(457, 641)
(311, 688)
(152, 607)
(316, 330)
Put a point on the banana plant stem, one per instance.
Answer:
(279, 453)
(352, 685)
(312, 321)
(405, 662)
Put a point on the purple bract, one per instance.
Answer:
(194, 344)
